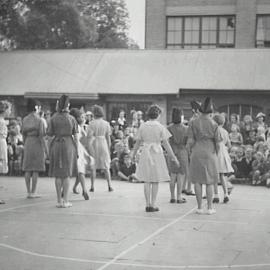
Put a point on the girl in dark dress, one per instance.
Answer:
(63, 150)
(34, 131)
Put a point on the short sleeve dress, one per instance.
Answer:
(63, 153)
(178, 143)
(3, 147)
(152, 166)
(85, 161)
(224, 160)
(205, 135)
(97, 131)
(34, 131)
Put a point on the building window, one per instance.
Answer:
(263, 31)
(241, 109)
(204, 32)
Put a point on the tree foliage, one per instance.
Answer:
(55, 24)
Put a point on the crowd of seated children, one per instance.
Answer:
(250, 149)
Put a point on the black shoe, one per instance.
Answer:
(110, 189)
(226, 199)
(91, 189)
(216, 200)
(85, 195)
(190, 193)
(147, 209)
(154, 209)
(172, 200)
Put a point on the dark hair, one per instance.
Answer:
(31, 104)
(98, 111)
(176, 115)
(154, 111)
(76, 113)
(63, 103)
(207, 106)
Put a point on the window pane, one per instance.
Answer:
(209, 37)
(178, 24)
(188, 37)
(170, 38)
(209, 23)
(171, 23)
(178, 37)
(192, 23)
(230, 37)
(226, 23)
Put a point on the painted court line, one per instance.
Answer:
(139, 265)
(24, 206)
(145, 240)
(27, 252)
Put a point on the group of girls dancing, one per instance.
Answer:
(195, 153)
(68, 156)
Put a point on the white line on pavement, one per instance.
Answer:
(145, 240)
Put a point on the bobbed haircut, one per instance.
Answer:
(98, 111)
(219, 119)
(154, 111)
(31, 104)
(76, 113)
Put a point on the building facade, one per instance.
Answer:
(207, 24)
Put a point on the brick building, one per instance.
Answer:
(192, 24)
(194, 48)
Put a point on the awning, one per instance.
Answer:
(92, 72)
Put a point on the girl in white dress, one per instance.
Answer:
(152, 167)
(224, 160)
(99, 144)
(84, 161)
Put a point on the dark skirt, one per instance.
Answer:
(63, 157)
(34, 155)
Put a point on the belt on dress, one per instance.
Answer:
(155, 147)
(61, 140)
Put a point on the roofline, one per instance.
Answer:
(180, 51)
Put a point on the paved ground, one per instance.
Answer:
(112, 231)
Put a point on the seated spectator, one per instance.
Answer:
(235, 136)
(265, 179)
(259, 145)
(257, 168)
(234, 120)
(120, 146)
(247, 162)
(127, 169)
(238, 162)
(251, 139)
(122, 122)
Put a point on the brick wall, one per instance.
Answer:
(245, 11)
(155, 28)
(245, 23)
